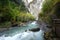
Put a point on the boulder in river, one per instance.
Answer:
(35, 29)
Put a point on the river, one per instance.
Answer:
(18, 33)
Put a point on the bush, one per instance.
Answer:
(24, 17)
(12, 12)
(47, 8)
(45, 18)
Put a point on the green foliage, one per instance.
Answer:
(25, 17)
(47, 6)
(10, 11)
(46, 11)
(45, 17)
(22, 7)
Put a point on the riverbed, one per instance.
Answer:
(18, 33)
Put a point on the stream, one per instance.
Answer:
(18, 33)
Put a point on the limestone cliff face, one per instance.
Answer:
(34, 6)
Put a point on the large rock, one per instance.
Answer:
(35, 29)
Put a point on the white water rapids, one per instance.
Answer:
(29, 35)
(25, 36)
(34, 7)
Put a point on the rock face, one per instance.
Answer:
(35, 29)
(56, 27)
(34, 6)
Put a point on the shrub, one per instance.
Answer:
(24, 17)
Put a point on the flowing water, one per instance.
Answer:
(20, 34)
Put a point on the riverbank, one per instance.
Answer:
(8, 25)
(33, 27)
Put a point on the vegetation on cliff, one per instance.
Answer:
(13, 11)
(49, 8)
